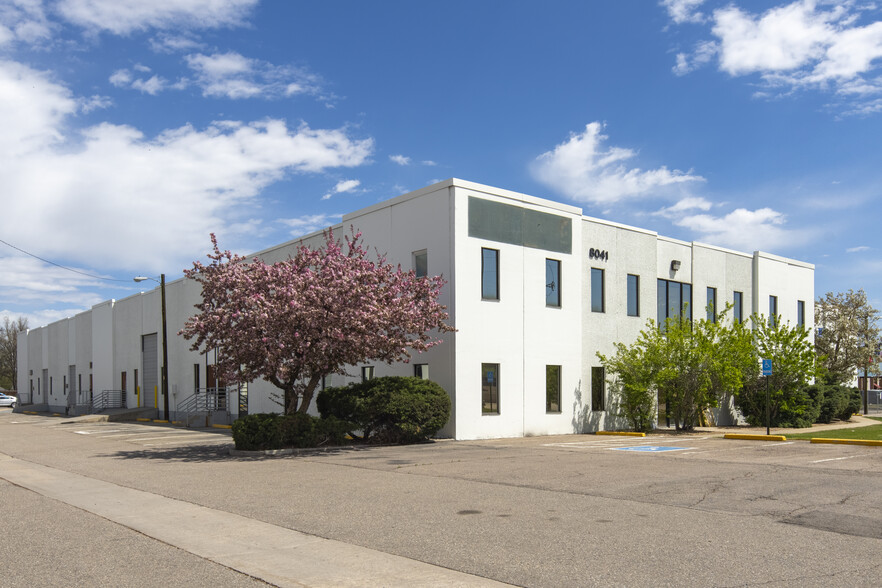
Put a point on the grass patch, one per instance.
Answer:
(873, 432)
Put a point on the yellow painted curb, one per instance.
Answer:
(870, 442)
(57, 414)
(177, 422)
(143, 420)
(755, 437)
(30, 412)
(159, 421)
(222, 426)
(622, 433)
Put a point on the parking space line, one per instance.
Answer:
(835, 458)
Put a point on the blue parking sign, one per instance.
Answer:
(767, 367)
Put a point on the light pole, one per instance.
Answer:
(164, 371)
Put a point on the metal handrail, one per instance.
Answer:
(206, 400)
(108, 399)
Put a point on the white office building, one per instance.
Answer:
(535, 290)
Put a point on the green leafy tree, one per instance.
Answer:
(633, 385)
(690, 365)
(9, 331)
(848, 334)
(794, 365)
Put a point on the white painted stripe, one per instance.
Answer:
(835, 458)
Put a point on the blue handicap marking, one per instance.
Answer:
(651, 448)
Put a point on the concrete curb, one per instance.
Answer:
(622, 433)
(746, 437)
(865, 442)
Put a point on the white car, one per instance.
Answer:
(8, 400)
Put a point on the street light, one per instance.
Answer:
(164, 372)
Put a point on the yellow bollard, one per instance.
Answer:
(138, 396)
(155, 396)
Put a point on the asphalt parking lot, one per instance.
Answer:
(542, 511)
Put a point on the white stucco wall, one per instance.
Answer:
(518, 331)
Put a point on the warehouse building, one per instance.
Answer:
(535, 290)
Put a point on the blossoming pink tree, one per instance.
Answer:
(298, 320)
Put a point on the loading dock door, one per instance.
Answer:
(150, 363)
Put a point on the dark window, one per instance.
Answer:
(552, 388)
(633, 295)
(421, 263)
(421, 370)
(598, 389)
(552, 282)
(367, 373)
(800, 313)
(489, 274)
(738, 307)
(773, 310)
(598, 304)
(674, 301)
(506, 223)
(712, 305)
(196, 382)
(490, 388)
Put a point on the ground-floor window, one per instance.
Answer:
(367, 373)
(552, 388)
(490, 388)
(421, 370)
(598, 389)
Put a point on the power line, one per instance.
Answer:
(61, 266)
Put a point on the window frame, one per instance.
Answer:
(738, 306)
(636, 298)
(549, 393)
(800, 313)
(598, 389)
(416, 265)
(773, 310)
(367, 373)
(484, 280)
(492, 391)
(557, 298)
(711, 304)
(421, 370)
(598, 272)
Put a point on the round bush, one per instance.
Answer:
(256, 432)
(389, 409)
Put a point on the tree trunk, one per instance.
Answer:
(309, 391)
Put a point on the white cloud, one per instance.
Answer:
(743, 229)
(857, 249)
(153, 86)
(232, 75)
(123, 17)
(685, 205)
(399, 159)
(429, 163)
(310, 223)
(174, 43)
(120, 78)
(117, 199)
(784, 38)
(23, 21)
(342, 187)
(682, 11)
(584, 169)
(806, 44)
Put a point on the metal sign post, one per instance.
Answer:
(767, 371)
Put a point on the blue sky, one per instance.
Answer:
(132, 129)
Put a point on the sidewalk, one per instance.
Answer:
(276, 555)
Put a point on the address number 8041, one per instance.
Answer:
(598, 254)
